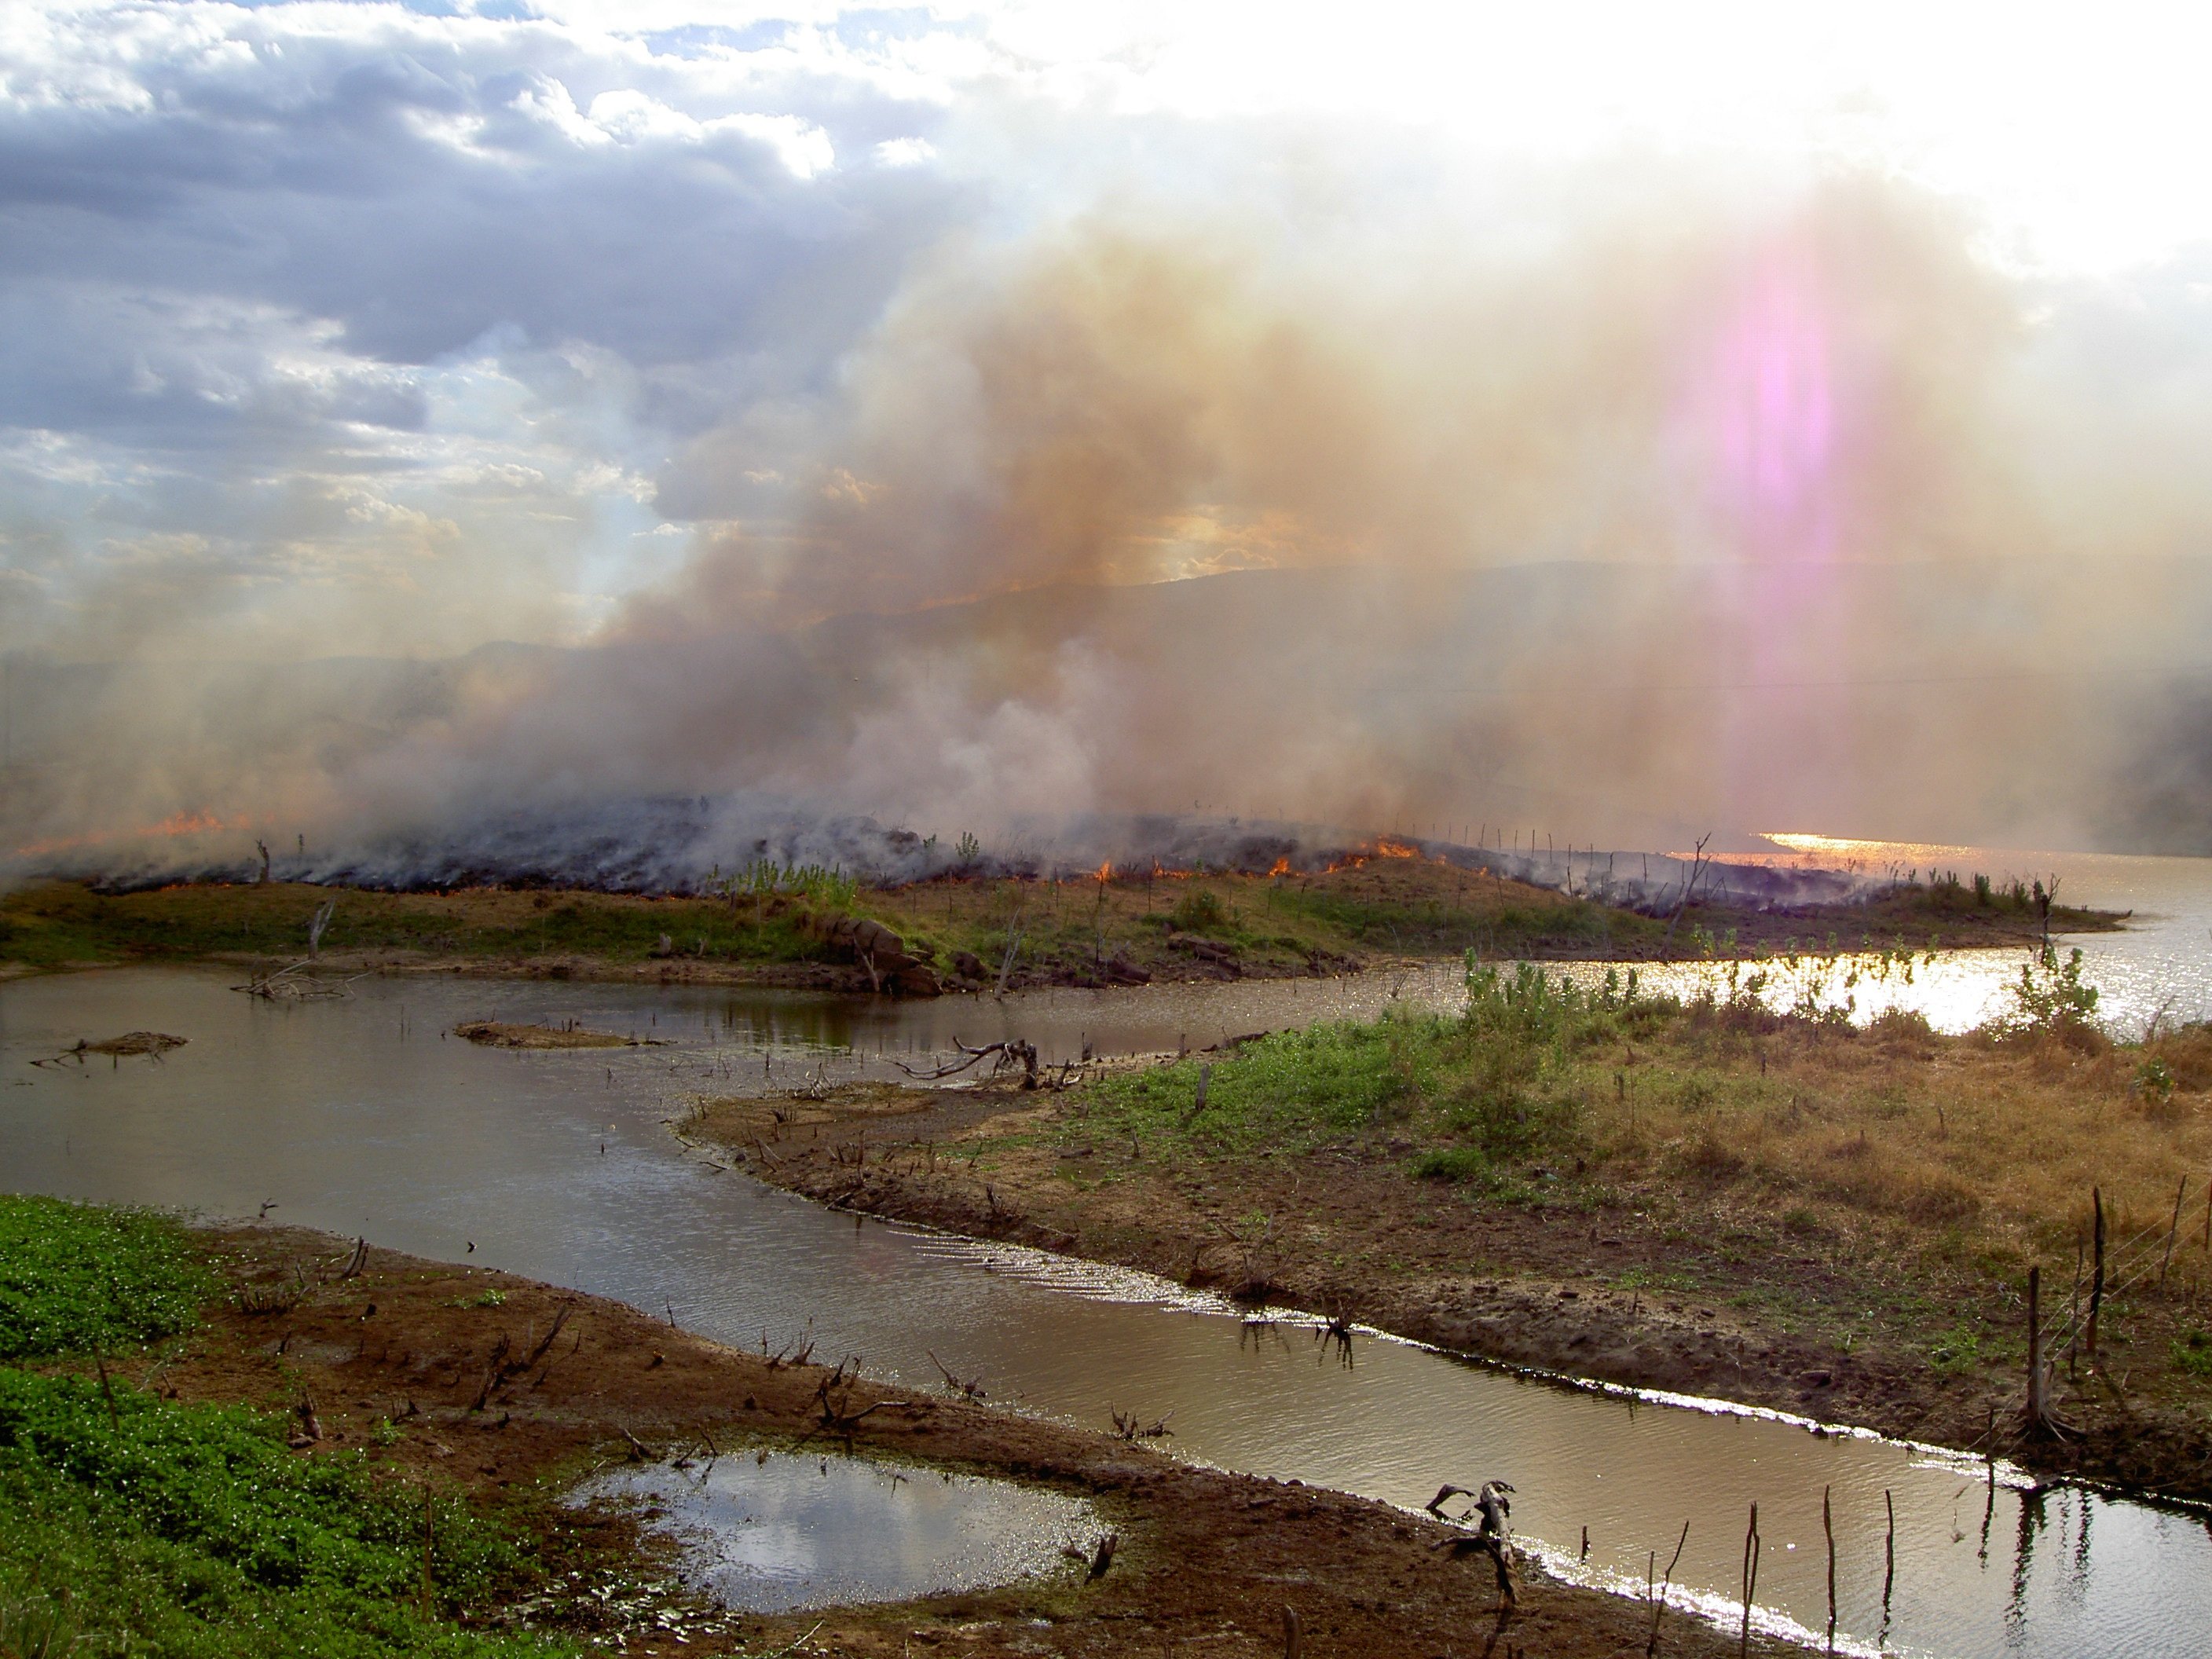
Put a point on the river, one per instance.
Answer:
(357, 1115)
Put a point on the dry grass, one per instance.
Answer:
(1995, 1143)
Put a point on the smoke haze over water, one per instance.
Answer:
(878, 442)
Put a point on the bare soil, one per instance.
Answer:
(395, 1360)
(1684, 1286)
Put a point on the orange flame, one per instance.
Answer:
(1282, 867)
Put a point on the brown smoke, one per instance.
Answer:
(1670, 513)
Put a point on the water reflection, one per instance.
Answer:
(771, 1532)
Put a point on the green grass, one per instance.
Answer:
(1287, 1090)
(1436, 925)
(132, 1524)
(1496, 1085)
(77, 1278)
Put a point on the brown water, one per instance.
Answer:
(356, 1117)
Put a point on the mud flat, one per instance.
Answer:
(412, 1364)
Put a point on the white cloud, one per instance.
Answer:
(905, 152)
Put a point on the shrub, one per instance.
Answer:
(2050, 999)
(1199, 912)
(1504, 1121)
(1710, 1157)
(1286, 1090)
(1451, 1163)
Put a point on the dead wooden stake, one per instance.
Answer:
(2174, 1231)
(1103, 1558)
(1828, 1526)
(1750, 1578)
(2074, 1310)
(1294, 1634)
(1889, 1555)
(107, 1392)
(1585, 1554)
(2096, 1268)
(1659, 1605)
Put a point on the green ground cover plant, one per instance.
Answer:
(75, 1278)
(134, 1524)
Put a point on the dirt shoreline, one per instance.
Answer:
(395, 1357)
(1534, 1290)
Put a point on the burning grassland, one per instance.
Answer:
(1112, 923)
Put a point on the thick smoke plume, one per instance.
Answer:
(1668, 512)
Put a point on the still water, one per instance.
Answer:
(359, 1117)
(771, 1531)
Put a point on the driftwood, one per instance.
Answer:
(309, 1431)
(281, 987)
(152, 1044)
(1011, 1051)
(835, 1396)
(1493, 1538)
(971, 1386)
(1131, 1426)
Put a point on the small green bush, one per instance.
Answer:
(2050, 997)
(1202, 912)
(1451, 1163)
(76, 1279)
(2192, 1354)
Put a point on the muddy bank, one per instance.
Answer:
(1594, 1289)
(416, 1364)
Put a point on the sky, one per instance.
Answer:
(331, 329)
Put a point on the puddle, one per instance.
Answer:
(776, 1532)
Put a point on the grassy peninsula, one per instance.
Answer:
(1699, 1194)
